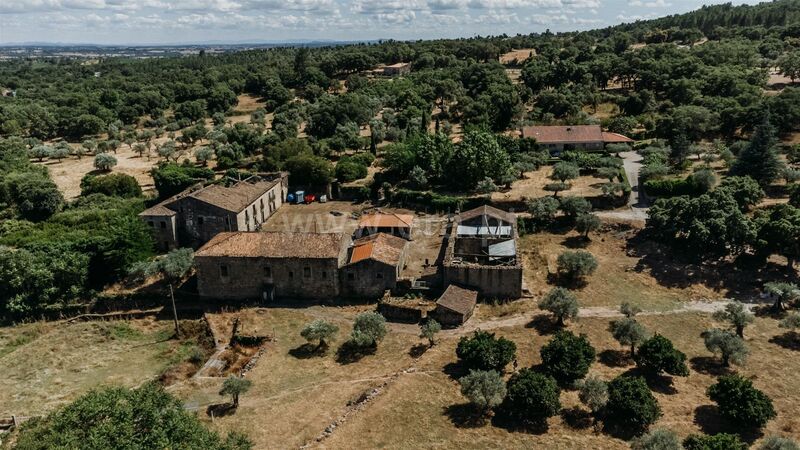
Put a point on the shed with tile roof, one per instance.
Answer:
(374, 264)
(455, 306)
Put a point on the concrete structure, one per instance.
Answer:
(481, 253)
(573, 137)
(394, 224)
(397, 69)
(196, 215)
(373, 267)
(455, 306)
(242, 265)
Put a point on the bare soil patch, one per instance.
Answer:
(517, 55)
(532, 186)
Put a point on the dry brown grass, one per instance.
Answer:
(532, 186)
(517, 55)
(58, 362)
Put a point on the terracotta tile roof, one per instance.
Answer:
(234, 198)
(458, 299)
(612, 138)
(244, 244)
(490, 211)
(564, 134)
(386, 220)
(381, 247)
(158, 210)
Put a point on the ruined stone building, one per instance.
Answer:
(389, 223)
(269, 265)
(196, 215)
(482, 254)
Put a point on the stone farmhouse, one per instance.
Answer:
(267, 265)
(482, 254)
(573, 137)
(196, 215)
(397, 69)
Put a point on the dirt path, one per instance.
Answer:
(637, 203)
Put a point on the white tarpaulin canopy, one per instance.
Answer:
(505, 248)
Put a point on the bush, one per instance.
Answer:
(631, 405)
(575, 265)
(671, 187)
(574, 207)
(567, 357)
(740, 403)
(657, 355)
(745, 190)
(543, 211)
(113, 185)
(531, 397)
(369, 328)
(171, 179)
(483, 351)
(306, 170)
(660, 439)
(485, 389)
(721, 441)
(348, 170)
(778, 443)
(561, 303)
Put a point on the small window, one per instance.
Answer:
(307, 272)
(379, 276)
(152, 224)
(291, 274)
(267, 271)
(200, 220)
(351, 276)
(223, 270)
(227, 220)
(164, 225)
(324, 275)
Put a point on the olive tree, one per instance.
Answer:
(485, 389)
(576, 265)
(104, 161)
(658, 439)
(628, 331)
(429, 329)
(730, 347)
(778, 443)
(369, 328)
(737, 315)
(561, 303)
(320, 331)
(782, 293)
(593, 392)
(586, 223)
(235, 387)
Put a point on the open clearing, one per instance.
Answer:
(532, 186)
(46, 365)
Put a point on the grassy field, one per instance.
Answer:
(295, 396)
(45, 365)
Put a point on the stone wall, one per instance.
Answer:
(367, 279)
(165, 231)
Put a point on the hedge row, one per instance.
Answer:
(439, 202)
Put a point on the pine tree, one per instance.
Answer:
(760, 159)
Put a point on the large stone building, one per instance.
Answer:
(481, 253)
(374, 265)
(266, 265)
(573, 137)
(196, 215)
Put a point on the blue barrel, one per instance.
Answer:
(290, 198)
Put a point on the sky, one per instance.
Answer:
(112, 22)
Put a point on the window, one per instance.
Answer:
(200, 221)
(152, 224)
(267, 271)
(291, 274)
(307, 272)
(351, 276)
(163, 224)
(379, 276)
(324, 275)
(223, 271)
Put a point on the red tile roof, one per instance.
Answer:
(564, 134)
(614, 138)
(386, 220)
(381, 247)
(245, 244)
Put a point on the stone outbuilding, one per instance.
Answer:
(455, 306)
(373, 266)
(196, 215)
(268, 265)
(481, 253)
(397, 69)
(389, 223)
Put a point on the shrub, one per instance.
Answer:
(740, 403)
(485, 389)
(659, 439)
(575, 265)
(369, 328)
(483, 351)
(567, 357)
(348, 170)
(657, 355)
(113, 185)
(778, 443)
(561, 303)
(593, 392)
(631, 405)
(721, 441)
(531, 397)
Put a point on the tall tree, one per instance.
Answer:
(759, 159)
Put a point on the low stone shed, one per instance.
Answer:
(455, 306)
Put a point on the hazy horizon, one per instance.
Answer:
(187, 22)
